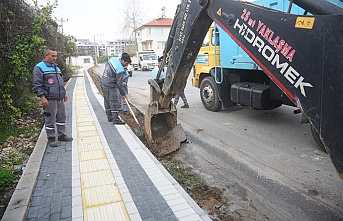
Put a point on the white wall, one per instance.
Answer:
(82, 61)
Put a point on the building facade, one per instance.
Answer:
(111, 48)
(115, 48)
(85, 47)
(153, 35)
(150, 36)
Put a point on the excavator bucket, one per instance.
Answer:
(161, 125)
(162, 131)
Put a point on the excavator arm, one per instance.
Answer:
(301, 54)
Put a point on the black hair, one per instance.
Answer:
(160, 59)
(47, 51)
(126, 57)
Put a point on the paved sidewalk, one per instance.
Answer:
(105, 173)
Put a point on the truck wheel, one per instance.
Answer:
(209, 94)
(316, 138)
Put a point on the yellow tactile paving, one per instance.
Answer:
(101, 199)
(97, 178)
(82, 111)
(91, 133)
(87, 166)
(85, 124)
(84, 118)
(110, 212)
(86, 147)
(86, 155)
(86, 128)
(89, 140)
(97, 196)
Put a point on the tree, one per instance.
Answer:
(70, 48)
(25, 32)
(133, 19)
(20, 43)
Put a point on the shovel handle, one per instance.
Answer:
(133, 114)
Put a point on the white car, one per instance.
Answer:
(130, 69)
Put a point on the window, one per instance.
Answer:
(206, 40)
(86, 60)
(215, 37)
(149, 57)
(159, 31)
(161, 44)
(149, 31)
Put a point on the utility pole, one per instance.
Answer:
(96, 50)
(61, 20)
(95, 53)
(62, 23)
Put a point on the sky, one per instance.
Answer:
(102, 19)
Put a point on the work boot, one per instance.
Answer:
(185, 106)
(52, 142)
(65, 138)
(116, 119)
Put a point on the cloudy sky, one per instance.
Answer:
(103, 18)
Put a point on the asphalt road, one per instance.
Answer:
(267, 162)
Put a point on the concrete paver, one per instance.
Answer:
(105, 173)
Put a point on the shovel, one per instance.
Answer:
(139, 131)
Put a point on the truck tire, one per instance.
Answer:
(209, 94)
(316, 138)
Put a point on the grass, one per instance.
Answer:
(8, 131)
(183, 175)
(13, 149)
(6, 177)
(16, 132)
(74, 68)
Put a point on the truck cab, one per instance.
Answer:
(210, 56)
(147, 60)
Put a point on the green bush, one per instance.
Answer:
(102, 59)
(25, 33)
(6, 178)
